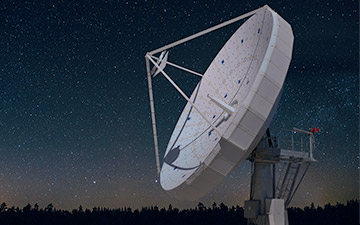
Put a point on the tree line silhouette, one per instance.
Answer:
(339, 214)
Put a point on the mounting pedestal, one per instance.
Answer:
(269, 199)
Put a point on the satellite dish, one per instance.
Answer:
(230, 109)
(238, 94)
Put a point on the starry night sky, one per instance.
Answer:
(75, 122)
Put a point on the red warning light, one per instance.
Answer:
(314, 130)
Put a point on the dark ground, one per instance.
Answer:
(344, 214)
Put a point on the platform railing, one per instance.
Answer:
(293, 139)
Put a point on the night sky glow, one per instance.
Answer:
(75, 122)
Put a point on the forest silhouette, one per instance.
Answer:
(344, 214)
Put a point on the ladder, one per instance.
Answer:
(286, 183)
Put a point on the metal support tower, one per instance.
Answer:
(269, 199)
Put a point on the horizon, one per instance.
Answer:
(32, 206)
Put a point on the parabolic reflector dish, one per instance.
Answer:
(239, 94)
